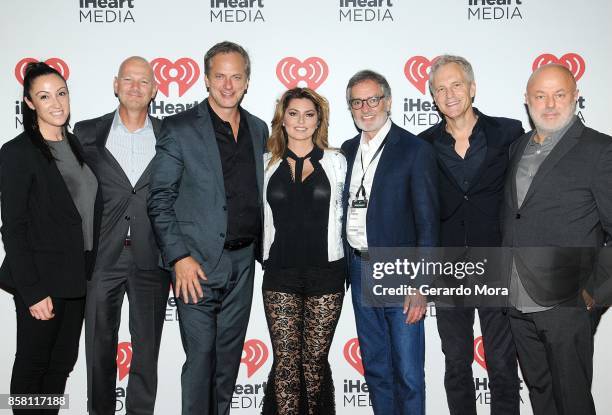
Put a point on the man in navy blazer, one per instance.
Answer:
(390, 200)
(205, 204)
(472, 152)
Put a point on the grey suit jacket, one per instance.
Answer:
(187, 203)
(565, 215)
(124, 205)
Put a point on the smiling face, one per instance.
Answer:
(551, 98)
(49, 98)
(300, 119)
(134, 85)
(370, 120)
(452, 91)
(226, 81)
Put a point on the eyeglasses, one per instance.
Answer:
(372, 102)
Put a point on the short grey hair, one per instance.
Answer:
(367, 75)
(442, 60)
(227, 47)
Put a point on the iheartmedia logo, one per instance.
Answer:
(479, 352)
(310, 73)
(124, 359)
(572, 61)
(184, 72)
(254, 355)
(352, 354)
(416, 70)
(56, 63)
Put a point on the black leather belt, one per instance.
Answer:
(237, 244)
(127, 242)
(361, 253)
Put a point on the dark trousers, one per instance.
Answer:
(555, 349)
(393, 353)
(46, 350)
(147, 292)
(212, 332)
(456, 330)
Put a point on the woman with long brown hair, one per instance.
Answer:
(304, 276)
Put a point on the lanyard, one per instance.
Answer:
(376, 154)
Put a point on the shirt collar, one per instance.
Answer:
(555, 137)
(377, 140)
(118, 124)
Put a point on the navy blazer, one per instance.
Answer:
(403, 208)
(473, 217)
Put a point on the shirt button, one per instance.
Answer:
(127, 218)
(518, 216)
(466, 197)
(133, 191)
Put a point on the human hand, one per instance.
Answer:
(415, 306)
(43, 310)
(588, 300)
(188, 273)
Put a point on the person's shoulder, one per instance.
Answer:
(405, 137)
(184, 116)
(431, 133)
(17, 148)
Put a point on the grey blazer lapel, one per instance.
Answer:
(514, 162)
(569, 140)
(257, 141)
(207, 134)
(103, 127)
(143, 180)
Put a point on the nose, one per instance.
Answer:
(550, 102)
(227, 83)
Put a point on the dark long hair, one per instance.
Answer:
(30, 120)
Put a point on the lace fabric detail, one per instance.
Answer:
(302, 329)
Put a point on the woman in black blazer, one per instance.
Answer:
(50, 211)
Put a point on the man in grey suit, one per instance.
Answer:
(205, 204)
(558, 208)
(119, 147)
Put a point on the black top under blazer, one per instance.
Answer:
(41, 226)
(473, 217)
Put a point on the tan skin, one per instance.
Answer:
(227, 82)
(50, 100)
(453, 94)
(370, 121)
(300, 122)
(135, 87)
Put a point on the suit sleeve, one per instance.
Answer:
(16, 184)
(424, 185)
(166, 173)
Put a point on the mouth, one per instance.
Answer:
(57, 113)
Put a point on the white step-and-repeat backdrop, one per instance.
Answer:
(320, 44)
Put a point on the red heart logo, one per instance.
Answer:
(184, 72)
(479, 352)
(416, 70)
(56, 63)
(352, 354)
(572, 61)
(311, 73)
(254, 355)
(124, 359)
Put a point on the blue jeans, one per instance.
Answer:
(393, 353)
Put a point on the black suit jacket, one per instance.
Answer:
(124, 204)
(472, 217)
(41, 227)
(565, 215)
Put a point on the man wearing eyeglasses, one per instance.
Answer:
(390, 200)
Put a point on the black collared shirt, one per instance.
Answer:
(463, 170)
(239, 178)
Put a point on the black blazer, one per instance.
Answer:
(565, 216)
(125, 206)
(473, 217)
(41, 227)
